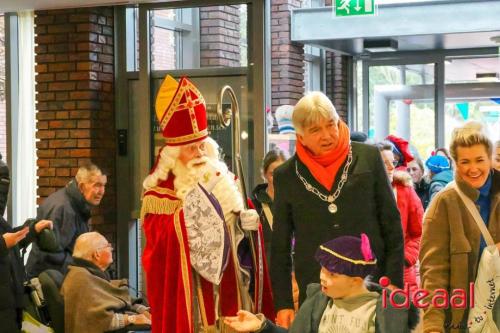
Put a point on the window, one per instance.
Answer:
(471, 92)
(3, 115)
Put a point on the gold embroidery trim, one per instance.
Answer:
(184, 266)
(163, 190)
(155, 205)
(182, 139)
(357, 262)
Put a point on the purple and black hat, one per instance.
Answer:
(348, 255)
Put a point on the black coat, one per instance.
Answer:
(12, 277)
(70, 212)
(366, 204)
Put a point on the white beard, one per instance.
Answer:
(187, 176)
(226, 191)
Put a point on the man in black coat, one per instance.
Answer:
(12, 273)
(69, 209)
(329, 188)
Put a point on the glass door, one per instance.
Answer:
(472, 92)
(401, 101)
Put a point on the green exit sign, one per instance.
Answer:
(354, 7)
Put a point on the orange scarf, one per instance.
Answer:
(324, 168)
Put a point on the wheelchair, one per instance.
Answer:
(48, 308)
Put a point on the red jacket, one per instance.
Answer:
(411, 211)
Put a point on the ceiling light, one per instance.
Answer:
(380, 45)
(488, 77)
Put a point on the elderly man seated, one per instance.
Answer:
(92, 302)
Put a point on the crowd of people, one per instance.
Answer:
(326, 244)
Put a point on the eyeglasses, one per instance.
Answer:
(106, 246)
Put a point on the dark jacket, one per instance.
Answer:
(70, 212)
(422, 189)
(260, 196)
(4, 185)
(366, 204)
(439, 181)
(387, 320)
(12, 276)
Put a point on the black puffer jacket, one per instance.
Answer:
(70, 212)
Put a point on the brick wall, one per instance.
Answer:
(163, 50)
(287, 58)
(336, 82)
(220, 36)
(74, 85)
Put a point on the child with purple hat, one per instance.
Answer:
(344, 301)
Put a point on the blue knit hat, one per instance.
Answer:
(348, 255)
(437, 163)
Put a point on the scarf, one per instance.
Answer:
(324, 168)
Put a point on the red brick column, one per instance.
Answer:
(336, 82)
(287, 58)
(220, 36)
(74, 84)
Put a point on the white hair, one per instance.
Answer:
(166, 163)
(310, 109)
(87, 243)
(187, 176)
(85, 172)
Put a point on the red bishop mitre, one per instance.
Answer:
(181, 112)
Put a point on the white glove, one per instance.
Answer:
(211, 176)
(249, 220)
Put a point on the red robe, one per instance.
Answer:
(169, 277)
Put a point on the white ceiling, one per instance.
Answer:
(18, 5)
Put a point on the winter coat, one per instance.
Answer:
(422, 189)
(439, 181)
(411, 211)
(260, 196)
(91, 298)
(388, 319)
(12, 277)
(449, 250)
(366, 204)
(70, 212)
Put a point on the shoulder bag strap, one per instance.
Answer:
(471, 207)
(268, 214)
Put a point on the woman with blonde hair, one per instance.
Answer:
(452, 241)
